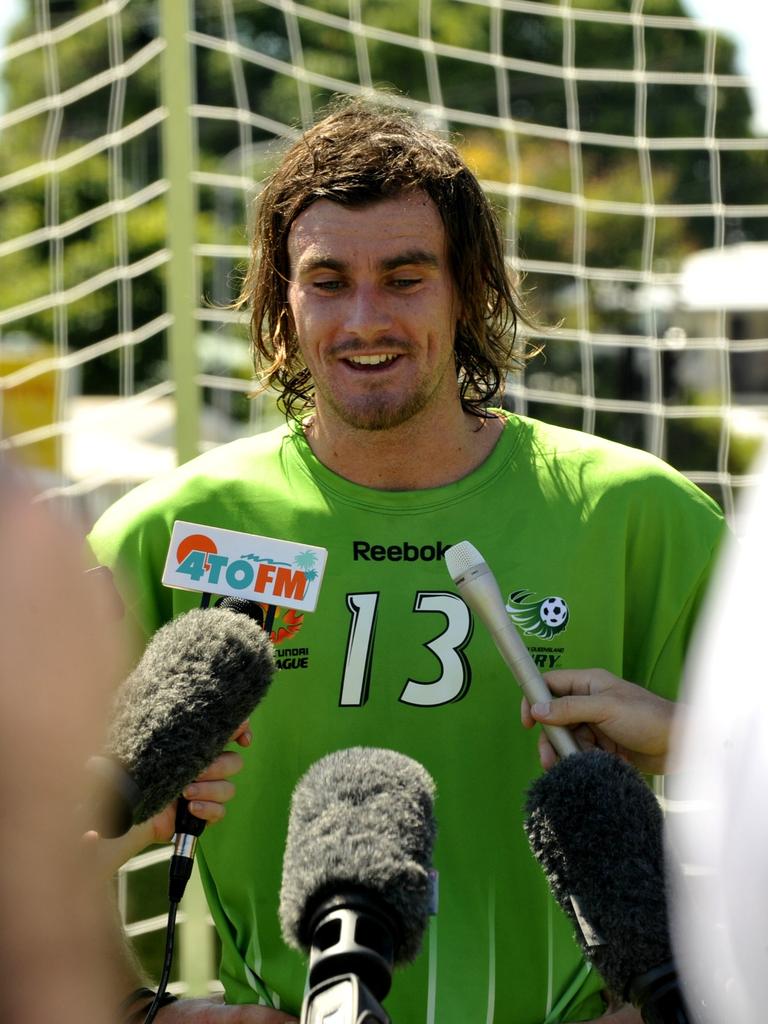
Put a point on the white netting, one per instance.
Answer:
(613, 135)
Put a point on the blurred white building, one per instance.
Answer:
(722, 298)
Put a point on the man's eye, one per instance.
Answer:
(328, 286)
(406, 282)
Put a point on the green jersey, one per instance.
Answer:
(601, 553)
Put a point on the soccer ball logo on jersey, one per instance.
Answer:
(543, 619)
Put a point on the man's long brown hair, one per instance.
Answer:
(358, 154)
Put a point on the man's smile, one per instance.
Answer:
(370, 362)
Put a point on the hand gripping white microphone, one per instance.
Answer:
(478, 587)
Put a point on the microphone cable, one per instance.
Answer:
(160, 995)
(188, 829)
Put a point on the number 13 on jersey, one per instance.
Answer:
(448, 646)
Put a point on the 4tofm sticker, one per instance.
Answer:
(233, 564)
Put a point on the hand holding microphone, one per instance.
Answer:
(605, 712)
(200, 676)
(208, 796)
(478, 587)
(211, 790)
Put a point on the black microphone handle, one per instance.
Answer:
(345, 998)
(188, 829)
(657, 994)
(352, 934)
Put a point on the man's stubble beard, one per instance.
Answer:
(375, 412)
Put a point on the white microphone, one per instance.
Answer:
(478, 587)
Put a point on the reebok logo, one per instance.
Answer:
(363, 551)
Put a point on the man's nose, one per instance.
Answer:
(367, 315)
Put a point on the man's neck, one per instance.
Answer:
(407, 457)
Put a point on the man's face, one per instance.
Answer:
(374, 308)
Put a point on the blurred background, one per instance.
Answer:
(624, 143)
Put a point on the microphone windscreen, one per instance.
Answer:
(201, 675)
(361, 820)
(244, 607)
(597, 831)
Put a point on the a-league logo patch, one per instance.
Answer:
(544, 619)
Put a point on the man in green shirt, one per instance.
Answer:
(384, 314)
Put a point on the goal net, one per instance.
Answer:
(615, 138)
